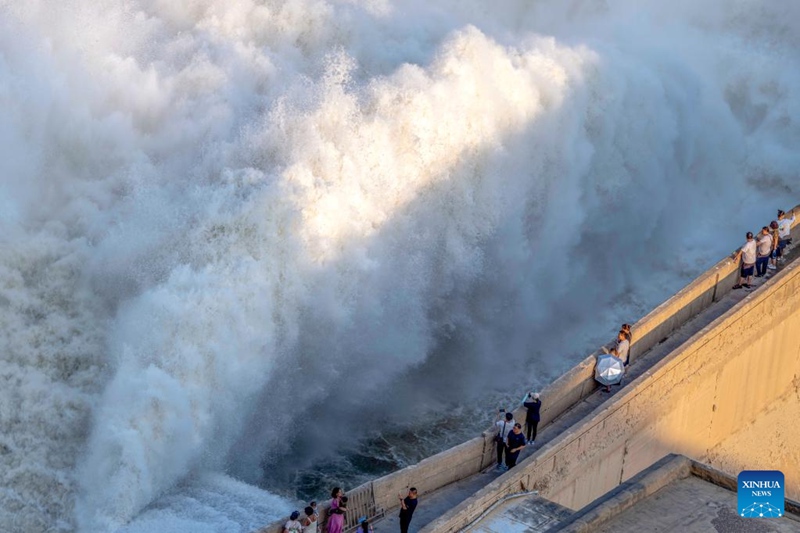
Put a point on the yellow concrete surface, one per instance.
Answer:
(692, 505)
(774, 436)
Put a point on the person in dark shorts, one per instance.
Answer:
(407, 506)
(747, 254)
(515, 443)
(533, 404)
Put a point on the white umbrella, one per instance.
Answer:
(609, 369)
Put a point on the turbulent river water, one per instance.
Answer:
(250, 249)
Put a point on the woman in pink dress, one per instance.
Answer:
(337, 510)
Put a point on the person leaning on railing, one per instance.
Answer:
(309, 522)
(337, 510)
(747, 253)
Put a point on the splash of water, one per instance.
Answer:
(223, 221)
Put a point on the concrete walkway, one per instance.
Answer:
(433, 505)
(692, 505)
(526, 514)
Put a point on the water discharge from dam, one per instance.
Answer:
(241, 238)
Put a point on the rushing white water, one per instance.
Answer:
(231, 227)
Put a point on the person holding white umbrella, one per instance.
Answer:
(608, 370)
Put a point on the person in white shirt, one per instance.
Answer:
(622, 348)
(784, 231)
(309, 523)
(747, 254)
(292, 525)
(763, 252)
(505, 424)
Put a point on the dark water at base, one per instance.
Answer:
(385, 451)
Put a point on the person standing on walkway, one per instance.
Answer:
(626, 329)
(622, 348)
(773, 228)
(533, 404)
(336, 497)
(763, 251)
(515, 442)
(364, 526)
(747, 254)
(336, 511)
(293, 526)
(504, 426)
(407, 506)
(784, 231)
(310, 521)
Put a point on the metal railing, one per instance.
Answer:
(361, 504)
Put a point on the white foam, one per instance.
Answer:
(210, 503)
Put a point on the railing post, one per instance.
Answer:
(483, 453)
(714, 295)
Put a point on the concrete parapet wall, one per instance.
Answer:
(432, 473)
(690, 402)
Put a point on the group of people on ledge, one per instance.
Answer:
(307, 524)
(509, 439)
(758, 255)
(763, 251)
(338, 510)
